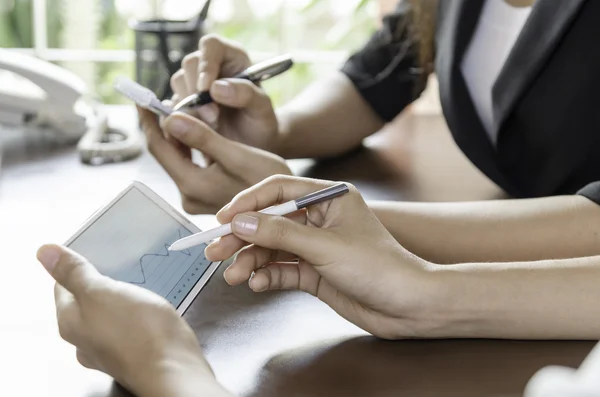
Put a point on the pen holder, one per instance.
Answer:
(160, 45)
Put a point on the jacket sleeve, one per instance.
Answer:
(386, 70)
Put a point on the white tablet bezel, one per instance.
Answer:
(160, 202)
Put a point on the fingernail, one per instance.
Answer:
(223, 89)
(245, 225)
(226, 276)
(209, 113)
(177, 126)
(48, 257)
(256, 285)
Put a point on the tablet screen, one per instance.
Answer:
(129, 242)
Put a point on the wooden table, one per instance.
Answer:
(275, 344)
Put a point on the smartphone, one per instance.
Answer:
(128, 240)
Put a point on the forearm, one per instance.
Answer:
(556, 299)
(327, 119)
(495, 231)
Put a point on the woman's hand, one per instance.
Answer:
(127, 332)
(241, 111)
(234, 166)
(338, 251)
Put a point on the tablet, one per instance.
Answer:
(128, 240)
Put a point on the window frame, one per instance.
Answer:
(41, 49)
(429, 103)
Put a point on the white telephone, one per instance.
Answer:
(36, 93)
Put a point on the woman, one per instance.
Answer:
(517, 84)
(342, 254)
(511, 259)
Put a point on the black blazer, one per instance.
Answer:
(545, 99)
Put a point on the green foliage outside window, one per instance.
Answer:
(310, 28)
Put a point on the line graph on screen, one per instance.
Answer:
(163, 255)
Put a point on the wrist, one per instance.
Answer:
(428, 296)
(450, 302)
(180, 374)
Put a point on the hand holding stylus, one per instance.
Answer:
(241, 111)
(206, 190)
(314, 198)
(262, 71)
(336, 250)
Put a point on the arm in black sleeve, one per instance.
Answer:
(386, 72)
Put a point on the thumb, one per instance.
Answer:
(240, 94)
(68, 268)
(196, 134)
(234, 157)
(284, 234)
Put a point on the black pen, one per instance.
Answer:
(255, 73)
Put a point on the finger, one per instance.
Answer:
(279, 233)
(227, 246)
(209, 114)
(68, 314)
(239, 93)
(189, 64)
(195, 134)
(175, 162)
(224, 248)
(178, 84)
(175, 99)
(273, 190)
(220, 58)
(68, 268)
(234, 157)
(284, 276)
(84, 359)
(161, 118)
(184, 150)
(69, 324)
(63, 298)
(252, 258)
(246, 262)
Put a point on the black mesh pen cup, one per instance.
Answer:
(160, 45)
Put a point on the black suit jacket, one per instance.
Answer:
(546, 106)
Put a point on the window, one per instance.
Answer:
(93, 37)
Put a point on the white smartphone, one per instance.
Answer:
(127, 240)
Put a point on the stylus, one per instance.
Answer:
(281, 209)
(256, 73)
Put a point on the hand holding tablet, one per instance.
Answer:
(128, 240)
(335, 241)
(125, 331)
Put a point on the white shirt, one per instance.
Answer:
(497, 31)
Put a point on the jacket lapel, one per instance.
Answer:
(457, 20)
(542, 32)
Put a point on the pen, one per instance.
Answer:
(256, 73)
(281, 209)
